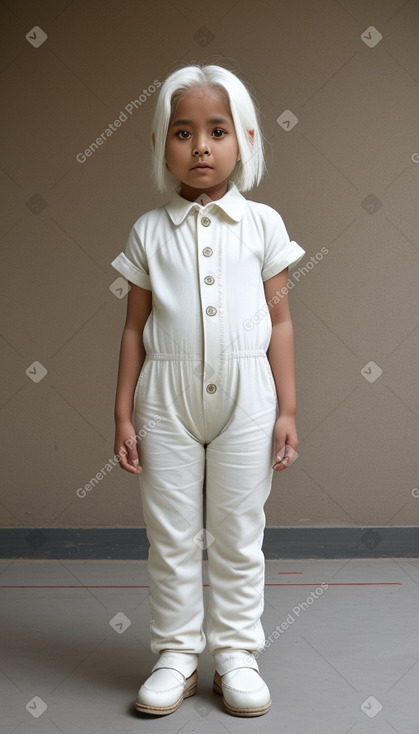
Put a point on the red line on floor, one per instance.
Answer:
(75, 586)
(314, 583)
(346, 583)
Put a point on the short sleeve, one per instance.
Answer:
(280, 251)
(132, 263)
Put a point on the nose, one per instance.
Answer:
(201, 147)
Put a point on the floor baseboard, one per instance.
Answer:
(132, 543)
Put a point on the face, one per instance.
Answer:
(201, 146)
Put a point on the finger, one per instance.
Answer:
(290, 454)
(138, 466)
(133, 460)
(279, 466)
(279, 452)
(284, 457)
(132, 454)
(124, 462)
(122, 457)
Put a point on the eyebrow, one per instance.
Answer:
(212, 120)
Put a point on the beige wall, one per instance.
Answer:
(358, 112)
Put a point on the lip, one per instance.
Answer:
(201, 166)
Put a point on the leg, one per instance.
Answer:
(173, 465)
(172, 497)
(239, 477)
(172, 458)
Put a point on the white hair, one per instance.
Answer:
(249, 170)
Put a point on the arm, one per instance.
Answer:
(131, 359)
(281, 359)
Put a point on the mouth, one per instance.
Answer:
(201, 167)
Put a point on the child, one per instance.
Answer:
(207, 354)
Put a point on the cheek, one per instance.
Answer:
(173, 152)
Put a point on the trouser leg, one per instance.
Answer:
(173, 464)
(238, 483)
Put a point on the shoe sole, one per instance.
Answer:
(190, 690)
(247, 712)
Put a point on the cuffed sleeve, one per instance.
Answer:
(132, 263)
(280, 251)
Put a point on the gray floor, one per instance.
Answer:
(339, 659)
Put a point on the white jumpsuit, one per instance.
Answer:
(207, 378)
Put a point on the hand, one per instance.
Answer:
(286, 443)
(126, 447)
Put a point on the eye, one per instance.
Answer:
(182, 134)
(218, 130)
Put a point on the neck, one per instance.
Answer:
(213, 192)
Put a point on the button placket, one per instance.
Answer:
(207, 257)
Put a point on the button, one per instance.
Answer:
(211, 311)
(205, 221)
(207, 251)
(209, 280)
(211, 388)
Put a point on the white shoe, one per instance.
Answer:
(164, 691)
(244, 692)
(166, 688)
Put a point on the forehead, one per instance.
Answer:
(201, 98)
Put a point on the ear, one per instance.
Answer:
(251, 134)
(153, 137)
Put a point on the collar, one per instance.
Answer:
(232, 203)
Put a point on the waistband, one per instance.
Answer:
(171, 357)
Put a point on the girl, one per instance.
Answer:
(207, 364)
